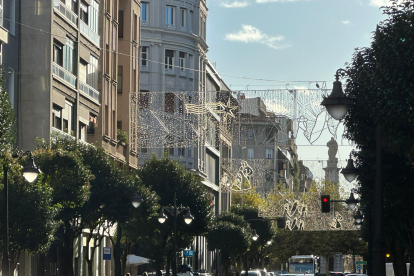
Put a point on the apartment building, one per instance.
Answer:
(263, 140)
(71, 68)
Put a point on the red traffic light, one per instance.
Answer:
(325, 203)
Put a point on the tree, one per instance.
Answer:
(70, 189)
(7, 119)
(232, 240)
(167, 177)
(31, 224)
(381, 83)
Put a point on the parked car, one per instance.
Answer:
(336, 274)
(356, 274)
(270, 273)
(251, 273)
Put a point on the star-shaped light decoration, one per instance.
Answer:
(227, 109)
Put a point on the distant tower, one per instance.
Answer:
(332, 170)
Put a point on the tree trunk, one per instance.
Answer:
(399, 265)
(66, 258)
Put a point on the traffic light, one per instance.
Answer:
(325, 203)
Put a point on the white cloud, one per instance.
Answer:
(234, 4)
(346, 22)
(273, 1)
(380, 3)
(250, 34)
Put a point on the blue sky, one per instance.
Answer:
(289, 40)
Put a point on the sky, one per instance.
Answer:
(295, 43)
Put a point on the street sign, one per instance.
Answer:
(106, 253)
(359, 267)
(188, 253)
(361, 262)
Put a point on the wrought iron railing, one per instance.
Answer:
(65, 11)
(84, 28)
(64, 75)
(89, 90)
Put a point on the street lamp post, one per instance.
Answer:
(337, 104)
(135, 201)
(30, 173)
(175, 210)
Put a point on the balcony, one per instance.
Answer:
(169, 71)
(64, 75)
(144, 23)
(170, 26)
(144, 68)
(89, 91)
(182, 73)
(67, 13)
(94, 37)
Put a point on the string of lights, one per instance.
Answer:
(162, 63)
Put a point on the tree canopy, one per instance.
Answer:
(381, 82)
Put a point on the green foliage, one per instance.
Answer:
(122, 136)
(232, 240)
(31, 213)
(167, 177)
(7, 120)
(382, 84)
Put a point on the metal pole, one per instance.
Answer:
(174, 268)
(6, 253)
(378, 255)
(118, 250)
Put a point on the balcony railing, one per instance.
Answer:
(144, 23)
(61, 7)
(64, 75)
(89, 90)
(169, 71)
(84, 28)
(144, 68)
(183, 73)
(170, 26)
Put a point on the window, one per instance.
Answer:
(92, 72)
(68, 56)
(189, 152)
(144, 55)
(182, 61)
(135, 27)
(10, 89)
(169, 59)
(84, 16)
(83, 68)
(57, 53)
(119, 79)
(67, 120)
(183, 17)
(92, 122)
(1, 14)
(181, 151)
(169, 15)
(90, 15)
(119, 125)
(57, 117)
(250, 153)
(143, 100)
(190, 21)
(82, 132)
(171, 151)
(269, 153)
(250, 134)
(169, 102)
(71, 4)
(115, 9)
(144, 11)
(121, 24)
